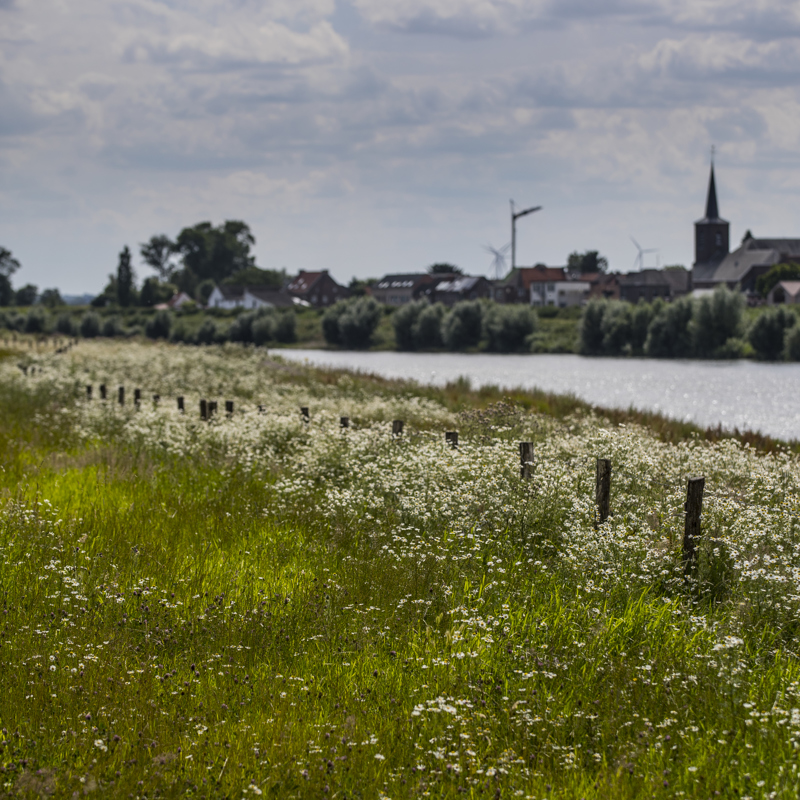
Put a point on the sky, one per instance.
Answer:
(375, 136)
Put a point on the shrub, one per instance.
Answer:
(767, 334)
(241, 329)
(792, 343)
(65, 324)
(159, 326)
(36, 321)
(207, 333)
(427, 330)
(617, 328)
(330, 323)
(669, 335)
(463, 325)
(180, 333)
(111, 327)
(90, 325)
(404, 321)
(507, 328)
(285, 327)
(641, 317)
(358, 322)
(717, 319)
(591, 328)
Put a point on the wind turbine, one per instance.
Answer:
(640, 255)
(499, 260)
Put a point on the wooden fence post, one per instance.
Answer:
(203, 409)
(451, 437)
(229, 407)
(261, 409)
(156, 399)
(102, 391)
(212, 408)
(121, 395)
(180, 404)
(397, 427)
(89, 391)
(602, 489)
(137, 397)
(691, 529)
(344, 422)
(304, 413)
(526, 460)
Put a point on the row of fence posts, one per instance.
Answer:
(694, 493)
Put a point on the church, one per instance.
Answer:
(715, 264)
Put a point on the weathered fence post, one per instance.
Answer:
(451, 437)
(203, 409)
(102, 391)
(121, 395)
(397, 427)
(344, 422)
(89, 391)
(181, 407)
(212, 408)
(602, 489)
(691, 529)
(304, 413)
(261, 409)
(156, 399)
(229, 407)
(526, 460)
(137, 397)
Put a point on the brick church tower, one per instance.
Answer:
(711, 234)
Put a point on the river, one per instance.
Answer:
(735, 394)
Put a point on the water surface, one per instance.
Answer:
(741, 394)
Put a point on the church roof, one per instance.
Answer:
(712, 207)
(737, 264)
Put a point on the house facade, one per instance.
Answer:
(784, 293)
(226, 297)
(250, 297)
(317, 288)
(464, 287)
(397, 290)
(649, 284)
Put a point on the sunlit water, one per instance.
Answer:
(741, 394)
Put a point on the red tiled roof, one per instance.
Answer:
(304, 281)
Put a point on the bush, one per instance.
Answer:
(427, 330)
(507, 328)
(65, 324)
(792, 343)
(641, 317)
(717, 319)
(359, 321)
(767, 334)
(36, 321)
(330, 323)
(669, 334)
(241, 329)
(263, 330)
(591, 328)
(404, 321)
(463, 325)
(180, 333)
(207, 332)
(285, 327)
(90, 325)
(111, 327)
(159, 326)
(617, 328)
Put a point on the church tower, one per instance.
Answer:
(711, 234)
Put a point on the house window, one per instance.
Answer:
(550, 287)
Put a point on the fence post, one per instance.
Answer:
(102, 391)
(229, 407)
(304, 413)
(212, 408)
(203, 409)
(397, 427)
(156, 399)
(344, 422)
(121, 395)
(451, 437)
(526, 460)
(691, 529)
(137, 397)
(89, 391)
(602, 489)
(180, 404)
(261, 409)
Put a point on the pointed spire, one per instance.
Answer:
(712, 210)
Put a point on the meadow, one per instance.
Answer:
(264, 605)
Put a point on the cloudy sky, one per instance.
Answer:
(369, 136)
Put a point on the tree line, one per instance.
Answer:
(709, 327)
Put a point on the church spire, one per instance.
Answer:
(712, 210)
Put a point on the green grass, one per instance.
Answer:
(351, 616)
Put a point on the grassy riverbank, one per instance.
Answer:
(260, 606)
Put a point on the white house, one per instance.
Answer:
(226, 297)
(784, 292)
(260, 297)
(572, 293)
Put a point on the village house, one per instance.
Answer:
(397, 290)
(784, 292)
(317, 288)
(463, 287)
(649, 284)
(227, 297)
(250, 297)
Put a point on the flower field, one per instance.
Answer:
(259, 604)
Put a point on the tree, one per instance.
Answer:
(154, 292)
(768, 332)
(591, 327)
(6, 291)
(443, 268)
(158, 254)
(51, 298)
(255, 276)
(8, 264)
(585, 263)
(351, 323)
(669, 335)
(507, 328)
(26, 296)
(126, 289)
(717, 319)
(214, 253)
(463, 325)
(404, 320)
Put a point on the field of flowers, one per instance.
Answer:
(263, 605)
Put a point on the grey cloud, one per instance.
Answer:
(18, 117)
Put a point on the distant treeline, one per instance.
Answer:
(421, 325)
(709, 327)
